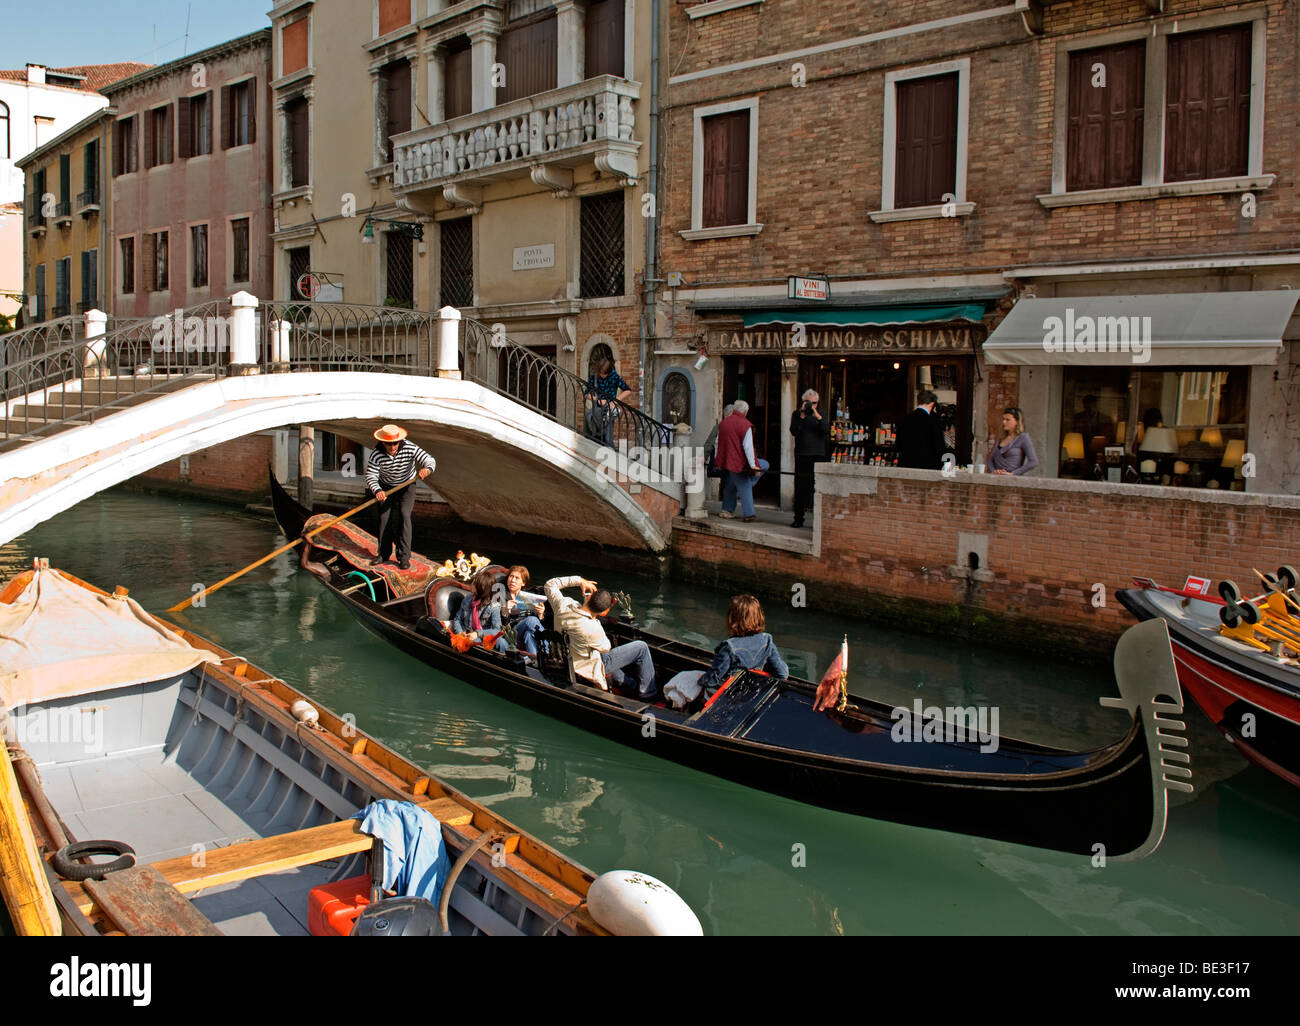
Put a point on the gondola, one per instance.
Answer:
(227, 798)
(763, 732)
(1243, 680)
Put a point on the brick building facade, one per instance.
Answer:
(939, 163)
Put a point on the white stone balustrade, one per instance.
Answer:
(589, 121)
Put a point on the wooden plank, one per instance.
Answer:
(143, 904)
(23, 885)
(288, 851)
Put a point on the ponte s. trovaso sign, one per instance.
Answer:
(866, 340)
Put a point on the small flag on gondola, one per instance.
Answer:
(834, 687)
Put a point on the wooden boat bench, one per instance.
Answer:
(289, 851)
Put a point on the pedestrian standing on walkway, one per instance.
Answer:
(920, 436)
(1013, 453)
(809, 432)
(738, 461)
(603, 387)
(392, 463)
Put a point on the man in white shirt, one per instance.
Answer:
(589, 648)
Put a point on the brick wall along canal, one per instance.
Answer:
(1226, 866)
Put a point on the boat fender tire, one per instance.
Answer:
(66, 865)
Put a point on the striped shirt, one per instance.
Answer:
(384, 471)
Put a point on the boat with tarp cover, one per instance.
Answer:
(764, 732)
(227, 799)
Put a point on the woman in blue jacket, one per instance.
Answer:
(478, 614)
(748, 647)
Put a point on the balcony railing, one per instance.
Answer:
(63, 210)
(62, 309)
(88, 200)
(543, 134)
(35, 216)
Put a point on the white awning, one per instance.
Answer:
(1209, 329)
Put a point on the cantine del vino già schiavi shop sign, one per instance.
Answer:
(866, 341)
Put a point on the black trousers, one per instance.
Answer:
(804, 469)
(395, 524)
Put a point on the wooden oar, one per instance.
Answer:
(285, 548)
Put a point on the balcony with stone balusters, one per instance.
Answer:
(544, 136)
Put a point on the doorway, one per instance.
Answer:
(757, 380)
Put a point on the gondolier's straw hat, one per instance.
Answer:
(390, 433)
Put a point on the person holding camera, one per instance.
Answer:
(809, 430)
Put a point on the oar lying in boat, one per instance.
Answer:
(285, 548)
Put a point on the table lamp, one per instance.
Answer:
(1072, 446)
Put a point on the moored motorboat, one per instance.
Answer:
(765, 733)
(233, 794)
(1244, 675)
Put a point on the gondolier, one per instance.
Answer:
(394, 462)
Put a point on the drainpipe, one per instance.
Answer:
(652, 228)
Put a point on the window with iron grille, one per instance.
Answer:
(456, 247)
(199, 255)
(239, 249)
(128, 266)
(602, 245)
(299, 264)
(400, 269)
(89, 278)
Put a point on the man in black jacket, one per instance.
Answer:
(920, 436)
(809, 432)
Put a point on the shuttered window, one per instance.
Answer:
(62, 287)
(393, 14)
(1104, 141)
(159, 143)
(726, 169)
(456, 252)
(528, 54)
(397, 103)
(65, 183)
(239, 114)
(926, 163)
(297, 112)
(239, 249)
(89, 278)
(90, 173)
(157, 262)
(126, 151)
(199, 255)
(458, 99)
(1207, 104)
(128, 266)
(194, 125)
(604, 38)
(39, 289)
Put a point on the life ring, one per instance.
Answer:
(370, 586)
(66, 865)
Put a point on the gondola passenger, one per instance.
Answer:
(748, 647)
(589, 648)
(522, 611)
(479, 615)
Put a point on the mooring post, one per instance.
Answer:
(693, 478)
(306, 463)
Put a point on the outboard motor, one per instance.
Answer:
(398, 917)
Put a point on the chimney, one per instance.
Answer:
(36, 73)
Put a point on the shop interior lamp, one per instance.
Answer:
(1073, 446)
(1234, 452)
(1212, 436)
(1160, 439)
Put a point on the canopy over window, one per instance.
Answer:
(865, 317)
(1180, 329)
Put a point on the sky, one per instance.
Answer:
(73, 32)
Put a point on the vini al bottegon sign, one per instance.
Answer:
(919, 339)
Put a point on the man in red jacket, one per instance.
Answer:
(738, 462)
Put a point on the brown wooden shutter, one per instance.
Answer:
(147, 262)
(1207, 108)
(459, 91)
(299, 142)
(397, 84)
(251, 97)
(393, 14)
(926, 165)
(604, 38)
(726, 169)
(118, 161)
(528, 52)
(227, 117)
(209, 115)
(183, 120)
(1104, 140)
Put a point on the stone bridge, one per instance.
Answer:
(507, 455)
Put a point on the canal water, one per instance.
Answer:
(746, 861)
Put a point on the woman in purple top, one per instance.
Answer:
(1014, 452)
